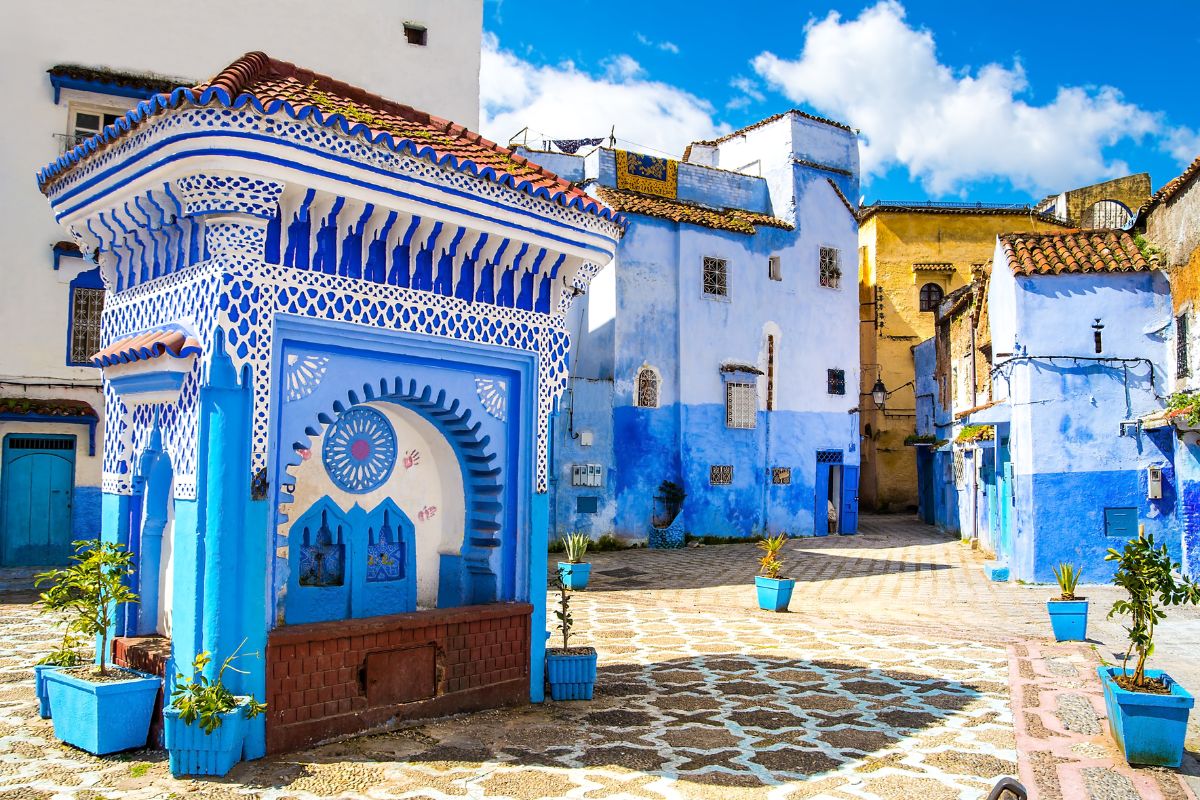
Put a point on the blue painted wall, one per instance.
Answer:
(1070, 461)
(1187, 475)
(648, 308)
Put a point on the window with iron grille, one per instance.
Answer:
(1183, 361)
(741, 405)
(720, 474)
(647, 388)
(86, 306)
(587, 475)
(781, 476)
(716, 277)
(836, 379)
(829, 456)
(831, 267)
(931, 297)
(770, 372)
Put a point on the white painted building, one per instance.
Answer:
(66, 69)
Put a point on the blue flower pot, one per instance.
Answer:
(574, 576)
(39, 682)
(191, 751)
(102, 717)
(774, 594)
(1068, 618)
(1150, 728)
(571, 676)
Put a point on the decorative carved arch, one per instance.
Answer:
(483, 477)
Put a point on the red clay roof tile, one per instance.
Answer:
(144, 346)
(1072, 252)
(729, 219)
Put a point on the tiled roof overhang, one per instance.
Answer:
(46, 407)
(735, 220)
(269, 87)
(966, 209)
(111, 81)
(933, 266)
(1072, 252)
(1175, 185)
(145, 346)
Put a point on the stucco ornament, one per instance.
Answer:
(359, 450)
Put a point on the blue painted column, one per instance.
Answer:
(539, 518)
(114, 527)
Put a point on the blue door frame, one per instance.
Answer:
(847, 511)
(37, 483)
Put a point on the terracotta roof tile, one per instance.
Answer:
(1175, 185)
(271, 85)
(842, 196)
(768, 121)
(961, 209)
(1072, 252)
(730, 219)
(46, 407)
(145, 346)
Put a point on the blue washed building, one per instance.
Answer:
(1079, 336)
(937, 498)
(720, 351)
(334, 340)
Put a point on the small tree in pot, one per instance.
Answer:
(1068, 613)
(774, 592)
(574, 571)
(571, 671)
(1147, 711)
(101, 710)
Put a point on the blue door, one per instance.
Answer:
(38, 480)
(827, 462)
(849, 520)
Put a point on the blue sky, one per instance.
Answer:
(981, 101)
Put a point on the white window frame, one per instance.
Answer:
(724, 262)
(75, 107)
(637, 386)
(837, 285)
(741, 413)
(774, 268)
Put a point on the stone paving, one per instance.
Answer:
(889, 679)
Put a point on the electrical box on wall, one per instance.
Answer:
(1154, 483)
(586, 438)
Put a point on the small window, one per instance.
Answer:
(781, 476)
(647, 388)
(741, 405)
(86, 123)
(587, 504)
(774, 270)
(716, 277)
(720, 474)
(1183, 361)
(416, 34)
(86, 308)
(831, 267)
(836, 381)
(931, 297)
(770, 372)
(587, 475)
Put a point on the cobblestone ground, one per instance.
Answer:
(889, 679)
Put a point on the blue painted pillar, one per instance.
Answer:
(114, 527)
(539, 518)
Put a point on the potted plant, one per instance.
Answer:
(571, 671)
(665, 532)
(574, 570)
(65, 655)
(774, 592)
(206, 723)
(101, 709)
(1147, 710)
(1068, 613)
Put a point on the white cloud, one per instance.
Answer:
(748, 92)
(949, 126)
(667, 47)
(564, 101)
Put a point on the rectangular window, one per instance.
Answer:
(831, 267)
(416, 34)
(87, 122)
(720, 474)
(774, 270)
(587, 504)
(86, 306)
(741, 405)
(587, 475)
(716, 277)
(781, 476)
(836, 380)
(1183, 361)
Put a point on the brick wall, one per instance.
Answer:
(328, 679)
(147, 654)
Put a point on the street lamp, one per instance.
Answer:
(879, 392)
